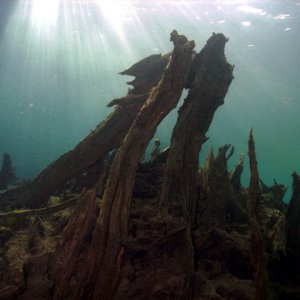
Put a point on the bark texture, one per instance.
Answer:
(73, 247)
(259, 257)
(219, 203)
(102, 273)
(208, 82)
(116, 246)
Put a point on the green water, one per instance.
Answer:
(59, 64)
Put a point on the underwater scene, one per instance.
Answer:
(149, 149)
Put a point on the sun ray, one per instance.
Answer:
(44, 12)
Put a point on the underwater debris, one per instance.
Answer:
(161, 229)
(209, 79)
(69, 259)
(259, 257)
(220, 205)
(106, 254)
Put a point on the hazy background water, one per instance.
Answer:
(59, 65)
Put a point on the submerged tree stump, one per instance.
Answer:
(106, 270)
(259, 257)
(133, 233)
(208, 82)
(105, 256)
(219, 203)
(69, 260)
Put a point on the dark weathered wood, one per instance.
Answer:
(105, 137)
(259, 257)
(72, 247)
(208, 83)
(274, 195)
(236, 173)
(219, 203)
(161, 101)
(144, 72)
(102, 272)
(293, 220)
(113, 221)
(129, 99)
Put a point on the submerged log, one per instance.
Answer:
(105, 137)
(259, 257)
(102, 272)
(208, 82)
